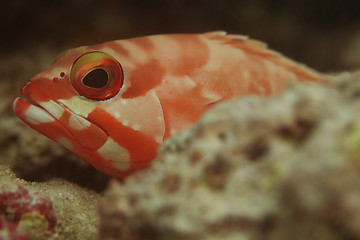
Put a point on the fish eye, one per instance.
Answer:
(96, 75)
(96, 78)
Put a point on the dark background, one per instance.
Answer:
(324, 34)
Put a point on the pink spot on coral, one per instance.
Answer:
(21, 202)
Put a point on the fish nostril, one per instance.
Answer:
(26, 88)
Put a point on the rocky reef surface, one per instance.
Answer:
(55, 209)
(284, 167)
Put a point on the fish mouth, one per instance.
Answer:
(57, 121)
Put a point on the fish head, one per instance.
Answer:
(85, 102)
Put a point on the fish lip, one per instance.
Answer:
(85, 132)
(28, 99)
(34, 121)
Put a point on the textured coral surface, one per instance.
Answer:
(20, 209)
(56, 209)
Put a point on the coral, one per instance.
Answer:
(255, 168)
(56, 209)
(28, 213)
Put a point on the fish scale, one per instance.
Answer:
(115, 103)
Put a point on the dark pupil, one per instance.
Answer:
(97, 78)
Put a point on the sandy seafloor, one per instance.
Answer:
(283, 168)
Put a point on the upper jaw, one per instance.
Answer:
(56, 118)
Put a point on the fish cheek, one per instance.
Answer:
(140, 147)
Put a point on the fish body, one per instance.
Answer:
(115, 103)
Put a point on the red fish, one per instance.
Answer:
(115, 103)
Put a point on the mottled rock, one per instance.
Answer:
(56, 209)
(26, 212)
(284, 167)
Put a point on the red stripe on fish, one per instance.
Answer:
(144, 78)
(189, 62)
(116, 47)
(140, 146)
(144, 43)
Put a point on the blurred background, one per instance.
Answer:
(324, 34)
